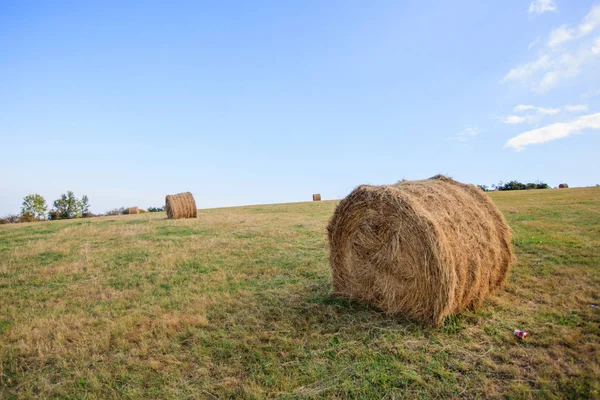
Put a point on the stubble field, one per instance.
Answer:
(237, 303)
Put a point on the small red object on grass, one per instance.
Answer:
(521, 334)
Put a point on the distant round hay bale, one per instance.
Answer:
(133, 210)
(563, 186)
(426, 249)
(181, 205)
(316, 197)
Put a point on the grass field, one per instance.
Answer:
(237, 304)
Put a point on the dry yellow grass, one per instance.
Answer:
(237, 304)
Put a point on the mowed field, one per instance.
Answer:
(237, 304)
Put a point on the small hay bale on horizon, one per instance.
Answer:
(426, 249)
(181, 205)
(317, 197)
(563, 186)
(133, 210)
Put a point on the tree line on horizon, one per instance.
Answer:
(67, 206)
(515, 185)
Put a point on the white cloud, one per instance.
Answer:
(521, 119)
(467, 134)
(563, 34)
(577, 108)
(548, 71)
(514, 119)
(590, 21)
(534, 42)
(524, 107)
(528, 70)
(549, 80)
(596, 46)
(541, 6)
(558, 61)
(567, 65)
(553, 132)
(560, 35)
(541, 110)
(537, 113)
(548, 111)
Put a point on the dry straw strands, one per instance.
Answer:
(316, 197)
(563, 186)
(181, 205)
(133, 210)
(426, 249)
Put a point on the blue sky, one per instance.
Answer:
(269, 101)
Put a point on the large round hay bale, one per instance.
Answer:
(316, 197)
(426, 249)
(563, 186)
(132, 210)
(181, 205)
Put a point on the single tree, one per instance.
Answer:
(67, 206)
(34, 207)
(84, 206)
